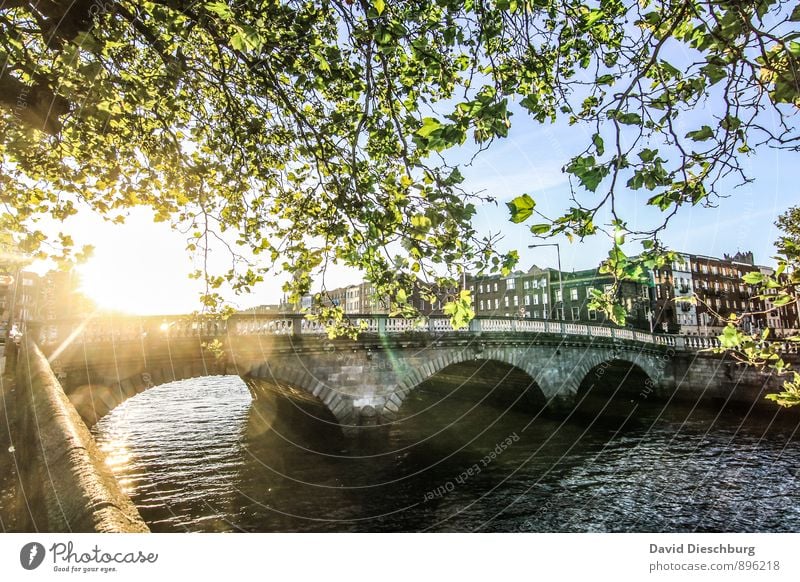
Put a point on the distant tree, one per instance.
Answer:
(303, 133)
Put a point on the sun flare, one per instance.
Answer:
(138, 268)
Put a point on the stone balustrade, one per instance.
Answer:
(118, 329)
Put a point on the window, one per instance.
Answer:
(536, 300)
(526, 285)
(575, 314)
(527, 300)
(511, 284)
(496, 303)
(544, 298)
(480, 288)
(516, 301)
(592, 314)
(558, 295)
(505, 301)
(573, 294)
(495, 285)
(560, 313)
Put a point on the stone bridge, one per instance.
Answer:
(103, 361)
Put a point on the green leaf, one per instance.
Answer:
(647, 155)
(753, 278)
(420, 221)
(618, 314)
(379, 6)
(714, 73)
(540, 229)
(730, 123)
(782, 300)
(587, 171)
(599, 146)
(429, 125)
(702, 134)
(221, 9)
(630, 119)
(521, 208)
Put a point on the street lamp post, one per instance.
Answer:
(560, 282)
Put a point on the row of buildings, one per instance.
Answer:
(538, 293)
(715, 284)
(26, 296)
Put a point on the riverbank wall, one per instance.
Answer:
(65, 484)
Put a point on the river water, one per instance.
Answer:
(199, 455)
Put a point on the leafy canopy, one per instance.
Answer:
(301, 133)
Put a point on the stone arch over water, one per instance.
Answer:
(462, 367)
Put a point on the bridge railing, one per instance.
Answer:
(701, 342)
(118, 328)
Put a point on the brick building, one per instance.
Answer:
(783, 320)
(19, 300)
(536, 294)
(718, 289)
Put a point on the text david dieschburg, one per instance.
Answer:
(750, 551)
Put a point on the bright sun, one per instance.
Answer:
(138, 267)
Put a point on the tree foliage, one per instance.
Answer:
(303, 133)
(777, 290)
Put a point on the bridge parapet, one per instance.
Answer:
(126, 328)
(132, 328)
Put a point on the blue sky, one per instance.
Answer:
(530, 160)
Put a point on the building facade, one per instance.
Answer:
(782, 320)
(717, 291)
(537, 294)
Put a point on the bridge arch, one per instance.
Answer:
(641, 373)
(95, 396)
(340, 405)
(451, 358)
